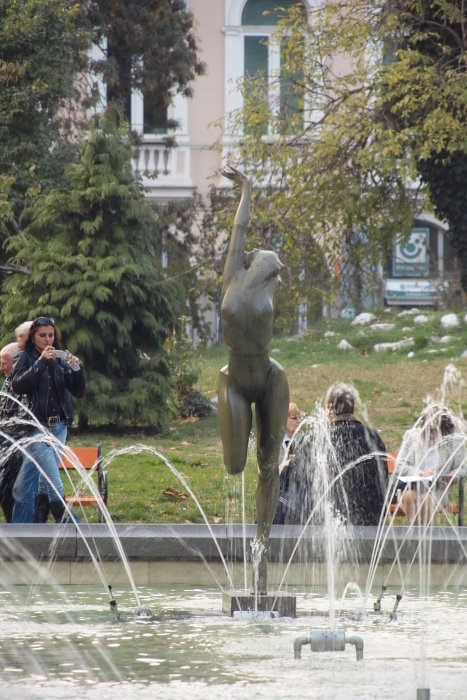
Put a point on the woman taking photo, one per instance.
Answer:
(46, 375)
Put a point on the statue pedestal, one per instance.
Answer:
(284, 604)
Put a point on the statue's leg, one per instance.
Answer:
(271, 421)
(234, 423)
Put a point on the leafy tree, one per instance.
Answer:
(42, 48)
(375, 96)
(44, 91)
(149, 45)
(426, 86)
(332, 173)
(93, 248)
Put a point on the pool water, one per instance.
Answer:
(60, 643)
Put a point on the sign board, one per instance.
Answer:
(412, 259)
(407, 292)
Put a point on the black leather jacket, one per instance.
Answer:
(30, 377)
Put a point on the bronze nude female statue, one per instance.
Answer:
(251, 376)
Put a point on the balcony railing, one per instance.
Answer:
(165, 170)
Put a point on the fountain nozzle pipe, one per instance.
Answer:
(113, 604)
(328, 640)
(297, 646)
(358, 644)
(423, 694)
(377, 604)
(393, 614)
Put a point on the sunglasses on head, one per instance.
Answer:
(43, 321)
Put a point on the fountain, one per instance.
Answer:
(64, 632)
(405, 602)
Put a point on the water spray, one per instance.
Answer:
(113, 605)
(393, 614)
(144, 613)
(328, 640)
(377, 604)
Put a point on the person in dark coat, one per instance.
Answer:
(48, 376)
(359, 458)
(12, 428)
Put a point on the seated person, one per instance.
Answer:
(294, 418)
(10, 415)
(358, 495)
(431, 457)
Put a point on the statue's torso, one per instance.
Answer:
(247, 319)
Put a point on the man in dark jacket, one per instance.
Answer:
(359, 460)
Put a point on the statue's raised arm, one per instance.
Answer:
(236, 254)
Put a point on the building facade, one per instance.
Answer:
(175, 164)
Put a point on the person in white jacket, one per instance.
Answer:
(431, 458)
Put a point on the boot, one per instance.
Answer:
(59, 512)
(41, 513)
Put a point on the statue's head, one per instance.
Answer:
(263, 268)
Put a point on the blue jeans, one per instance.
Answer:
(30, 481)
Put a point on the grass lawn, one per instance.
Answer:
(392, 387)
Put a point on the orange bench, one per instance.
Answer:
(88, 458)
(450, 508)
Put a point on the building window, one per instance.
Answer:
(264, 60)
(155, 114)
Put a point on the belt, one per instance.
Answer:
(52, 420)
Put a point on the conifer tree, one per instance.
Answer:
(93, 250)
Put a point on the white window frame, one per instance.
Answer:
(235, 33)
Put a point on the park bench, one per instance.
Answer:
(89, 458)
(457, 508)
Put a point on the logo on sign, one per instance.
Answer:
(411, 259)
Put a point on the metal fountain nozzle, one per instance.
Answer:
(393, 614)
(113, 604)
(328, 640)
(377, 604)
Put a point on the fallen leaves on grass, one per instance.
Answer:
(174, 494)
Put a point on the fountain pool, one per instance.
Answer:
(60, 642)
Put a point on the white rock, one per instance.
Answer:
(407, 329)
(329, 334)
(382, 326)
(449, 321)
(408, 312)
(410, 354)
(465, 318)
(464, 354)
(363, 319)
(344, 345)
(420, 319)
(436, 339)
(398, 345)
